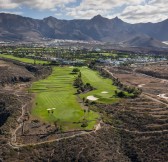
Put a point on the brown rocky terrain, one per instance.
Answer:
(143, 128)
(143, 121)
(155, 70)
(14, 81)
(10, 73)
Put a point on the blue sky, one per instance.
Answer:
(132, 11)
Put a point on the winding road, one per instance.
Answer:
(15, 145)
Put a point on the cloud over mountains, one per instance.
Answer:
(131, 11)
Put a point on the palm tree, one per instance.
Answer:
(83, 99)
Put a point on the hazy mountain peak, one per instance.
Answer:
(117, 19)
(145, 41)
(99, 17)
(50, 18)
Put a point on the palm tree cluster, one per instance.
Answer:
(135, 91)
(81, 87)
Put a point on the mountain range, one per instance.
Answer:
(19, 28)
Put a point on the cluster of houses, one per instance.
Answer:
(120, 61)
(67, 62)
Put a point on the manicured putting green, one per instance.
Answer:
(57, 91)
(101, 84)
(26, 60)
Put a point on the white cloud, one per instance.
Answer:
(131, 10)
(8, 4)
(12, 12)
(90, 8)
(38, 4)
(152, 11)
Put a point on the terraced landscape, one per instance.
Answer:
(144, 119)
(143, 126)
(152, 132)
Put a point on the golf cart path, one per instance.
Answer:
(19, 120)
(17, 146)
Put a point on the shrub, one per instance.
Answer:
(84, 123)
(75, 70)
(121, 94)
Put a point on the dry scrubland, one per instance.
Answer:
(145, 119)
(153, 86)
(156, 70)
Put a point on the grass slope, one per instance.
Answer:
(57, 91)
(101, 84)
(26, 60)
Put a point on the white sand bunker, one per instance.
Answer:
(92, 98)
(104, 92)
(163, 96)
(141, 85)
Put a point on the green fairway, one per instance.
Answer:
(26, 60)
(57, 92)
(101, 84)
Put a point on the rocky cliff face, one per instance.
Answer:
(15, 72)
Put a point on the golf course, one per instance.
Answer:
(56, 99)
(26, 60)
(104, 90)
